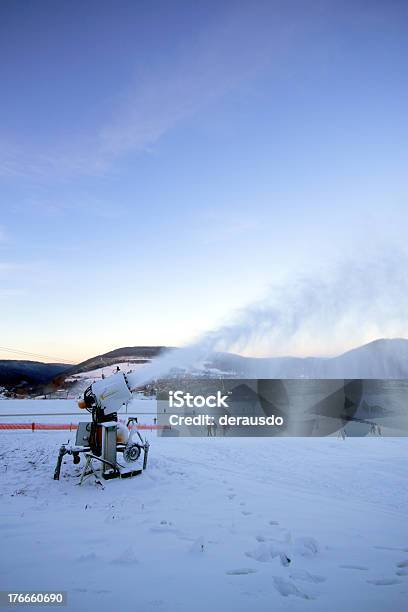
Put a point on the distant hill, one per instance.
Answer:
(34, 373)
(133, 354)
(384, 358)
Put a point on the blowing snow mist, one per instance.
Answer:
(347, 305)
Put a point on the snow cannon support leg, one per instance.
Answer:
(62, 451)
(146, 452)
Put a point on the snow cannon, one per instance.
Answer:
(111, 449)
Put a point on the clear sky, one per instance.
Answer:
(163, 163)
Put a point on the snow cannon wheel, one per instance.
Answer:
(131, 453)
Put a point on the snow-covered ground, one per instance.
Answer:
(212, 525)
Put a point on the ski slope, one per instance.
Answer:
(212, 525)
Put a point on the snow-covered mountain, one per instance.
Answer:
(384, 358)
(130, 354)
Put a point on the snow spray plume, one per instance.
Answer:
(349, 301)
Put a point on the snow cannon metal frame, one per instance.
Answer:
(100, 439)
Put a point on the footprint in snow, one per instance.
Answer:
(262, 553)
(307, 577)
(241, 571)
(403, 563)
(286, 588)
(306, 546)
(265, 553)
(198, 547)
(284, 559)
(402, 572)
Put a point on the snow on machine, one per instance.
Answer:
(110, 448)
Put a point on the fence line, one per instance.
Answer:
(75, 414)
(67, 426)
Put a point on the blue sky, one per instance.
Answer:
(163, 164)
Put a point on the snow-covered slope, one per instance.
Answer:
(213, 524)
(135, 354)
(80, 381)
